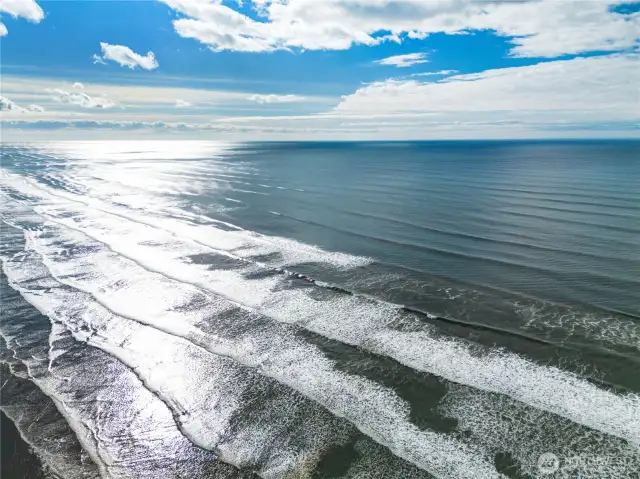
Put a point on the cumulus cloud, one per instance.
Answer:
(183, 104)
(78, 86)
(537, 28)
(275, 98)
(7, 105)
(403, 61)
(603, 87)
(80, 99)
(125, 57)
(27, 9)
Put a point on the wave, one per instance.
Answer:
(378, 413)
(355, 322)
(453, 234)
(263, 338)
(44, 429)
(328, 286)
(473, 218)
(275, 353)
(485, 192)
(193, 233)
(343, 321)
(242, 243)
(82, 429)
(349, 319)
(621, 333)
(98, 407)
(480, 417)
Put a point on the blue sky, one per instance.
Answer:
(311, 69)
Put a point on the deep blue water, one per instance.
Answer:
(552, 220)
(404, 309)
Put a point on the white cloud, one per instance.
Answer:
(137, 98)
(98, 60)
(183, 104)
(542, 28)
(602, 88)
(126, 57)
(7, 105)
(438, 73)
(80, 99)
(275, 98)
(403, 61)
(35, 108)
(78, 86)
(27, 9)
(417, 35)
(593, 96)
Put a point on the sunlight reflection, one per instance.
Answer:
(136, 150)
(145, 174)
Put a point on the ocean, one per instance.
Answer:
(178, 309)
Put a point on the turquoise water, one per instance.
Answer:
(419, 309)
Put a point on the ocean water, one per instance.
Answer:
(287, 310)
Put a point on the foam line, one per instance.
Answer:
(60, 308)
(83, 432)
(242, 243)
(274, 352)
(480, 417)
(355, 321)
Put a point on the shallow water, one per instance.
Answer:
(442, 309)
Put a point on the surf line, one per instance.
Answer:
(409, 309)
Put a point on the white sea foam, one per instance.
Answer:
(354, 321)
(51, 387)
(365, 323)
(55, 461)
(376, 411)
(613, 330)
(204, 391)
(240, 242)
(504, 425)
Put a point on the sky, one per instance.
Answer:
(319, 69)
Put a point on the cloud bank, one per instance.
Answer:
(595, 95)
(537, 28)
(603, 87)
